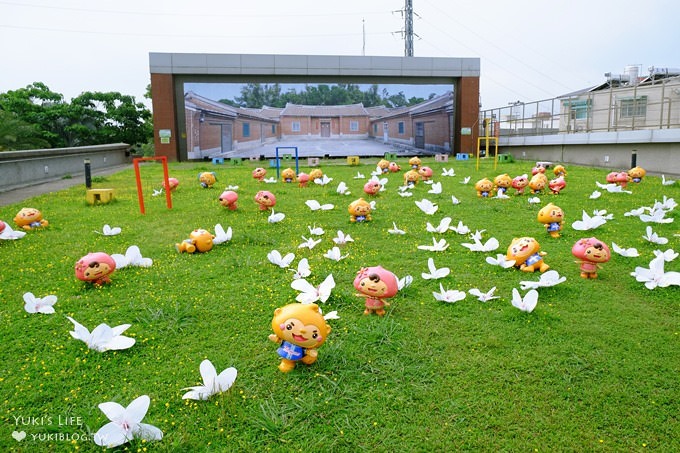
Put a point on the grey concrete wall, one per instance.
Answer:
(657, 151)
(25, 168)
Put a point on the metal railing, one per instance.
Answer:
(569, 115)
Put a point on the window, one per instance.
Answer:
(578, 109)
(631, 107)
(354, 126)
(273, 128)
(375, 128)
(401, 128)
(246, 129)
(295, 126)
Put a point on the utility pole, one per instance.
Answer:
(363, 34)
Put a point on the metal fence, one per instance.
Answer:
(600, 112)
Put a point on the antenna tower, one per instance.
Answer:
(408, 28)
(407, 32)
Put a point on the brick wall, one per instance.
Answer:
(163, 103)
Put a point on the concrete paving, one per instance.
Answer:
(326, 148)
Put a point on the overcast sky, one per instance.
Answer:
(529, 49)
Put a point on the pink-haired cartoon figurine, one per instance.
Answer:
(519, 183)
(556, 185)
(95, 268)
(425, 173)
(394, 167)
(172, 183)
(265, 199)
(259, 173)
(590, 252)
(376, 284)
(620, 178)
(372, 187)
(228, 199)
(303, 179)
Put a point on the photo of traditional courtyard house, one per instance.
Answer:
(324, 121)
(427, 125)
(214, 128)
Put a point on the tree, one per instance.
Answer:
(17, 135)
(39, 106)
(112, 117)
(90, 119)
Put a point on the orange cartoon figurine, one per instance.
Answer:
(30, 218)
(359, 211)
(552, 217)
(299, 329)
(525, 251)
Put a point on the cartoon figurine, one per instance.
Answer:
(207, 179)
(525, 252)
(537, 169)
(172, 183)
(394, 167)
(372, 187)
(200, 240)
(590, 252)
(265, 199)
(303, 179)
(30, 218)
(228, 199)
(425, 173)
(95, 268)
(620, 178)
(259, 173)
(299, 329)
(553, 218)
(538, 182)
(519, 183)
(636, 174)
(2, 226)
(414, 162)
(359, 211)
(556, 185)
(411, 178)
(383, 165)
(559, 170)
(502, 183)
(484, 187)
(288, 175)
(315, 174)
(376, 284)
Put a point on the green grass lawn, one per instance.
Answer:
(595, 367)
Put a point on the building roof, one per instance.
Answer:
(206, 105)
(324, 110)
(615, 81)
(443, 101)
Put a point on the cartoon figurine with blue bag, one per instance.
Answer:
(299, 329)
